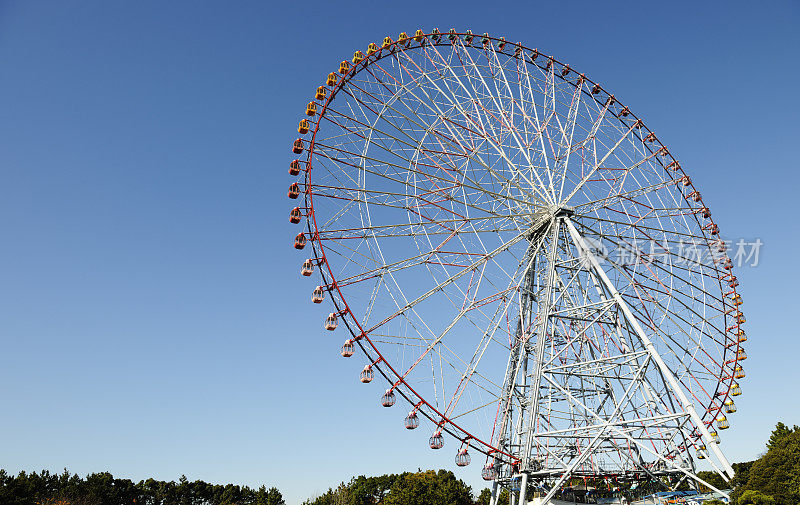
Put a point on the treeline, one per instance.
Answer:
(772, 479)
(46, 488)
(420, 488)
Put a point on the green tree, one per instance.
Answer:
(369, 490)
(486, 495)
(741, 473)
(776, 474)
(102, 488)
(779, 434)
(429, 488)
(712, 478)
(504, 498)
(751, 497)
(269, 496)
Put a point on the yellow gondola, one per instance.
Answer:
(331, 81)
(311, 108)
(302, 128)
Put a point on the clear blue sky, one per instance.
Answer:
(152, 318)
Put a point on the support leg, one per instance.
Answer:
(523, 489)
(493, 500)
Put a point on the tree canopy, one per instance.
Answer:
(776, 474)
(46, 488)
(423, 488)
(772, 479)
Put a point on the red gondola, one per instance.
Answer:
(367, 374)
(331, 322)
(463, 458)
(297, 147)
(437, 440)
(412, 420)
(489, 472)
(347, 348)
(388, 399)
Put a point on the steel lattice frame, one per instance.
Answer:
(468, 203)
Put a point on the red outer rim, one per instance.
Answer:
(725, 377)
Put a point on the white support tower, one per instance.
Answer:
(586, 392)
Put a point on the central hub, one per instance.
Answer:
(560, 210)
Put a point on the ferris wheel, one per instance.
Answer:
(521, 260)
